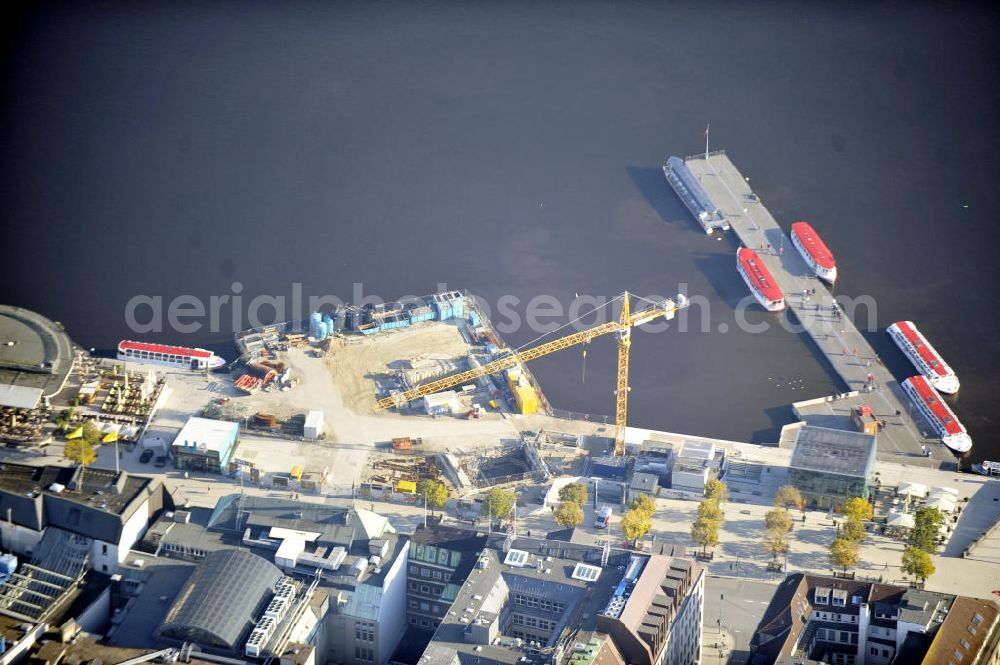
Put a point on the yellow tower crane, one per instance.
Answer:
(622, 328)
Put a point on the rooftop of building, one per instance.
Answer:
(207, 434)
(93, 502)
(36, 356)
(833, 451)
(644, 482)
(65, 604)
(449, 537)
(266, 523)
(970, 623)
(654, 447)
(335, 524)
(221, 600)
(12, 629)
(101, 489)
(697, 450)
(924, 607)
(535, 567)
(86, 649)
(157, 582)
(800, 593)
(589, 647)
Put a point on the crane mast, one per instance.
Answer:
(621, 387)
(622, 329)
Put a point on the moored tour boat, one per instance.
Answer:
(940, 416)
(181, 357)
(923, 356)
(758, 278)
(814, 251)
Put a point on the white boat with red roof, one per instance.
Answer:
(759, 279)
(923, 356)
(814, 251)
(953, 434)
(181, 357)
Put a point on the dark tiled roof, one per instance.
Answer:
(93, 502)
(449, 537)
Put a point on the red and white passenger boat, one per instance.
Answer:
(758, 278)
(181, 357)
(940, 416)
(814, 251)
(923, 356)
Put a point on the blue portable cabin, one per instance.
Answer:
(422, 313)
(473, 317)
(443, 308)
(457, 304)
(394, 319)
(315, 321)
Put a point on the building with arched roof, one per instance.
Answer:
(220, 601)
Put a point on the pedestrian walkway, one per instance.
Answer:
(811, 305)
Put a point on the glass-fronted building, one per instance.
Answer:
(830, 466)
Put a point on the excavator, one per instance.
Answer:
(622, 329)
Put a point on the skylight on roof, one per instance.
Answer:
(516, 558)
(586, 573)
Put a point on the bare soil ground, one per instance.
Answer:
(360, 363)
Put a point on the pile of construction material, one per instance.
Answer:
(402, 474)
(258, 375)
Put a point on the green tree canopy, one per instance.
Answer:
(575, 492)
(710, 510)
(926, 526)
(644, 503)
(778, 520)
(80, 451)
(717, 490)
(775, 542)
(64, 418)
(435, 493)
(499, 503)
(635, 525)
(569, 514)
(853, 530)
(858, 509)
(788, 496)
(705, 532)
(844, 553)
(91, 433)
(918, 563)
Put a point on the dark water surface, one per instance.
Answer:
(513, 149)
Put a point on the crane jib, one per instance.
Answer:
(666, 309)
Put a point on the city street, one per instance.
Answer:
(733, 608)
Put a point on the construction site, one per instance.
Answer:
(377, 351)
(394, 469)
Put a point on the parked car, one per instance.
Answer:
(146, 455)
(161, 461)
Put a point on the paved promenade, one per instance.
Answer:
(837, 338)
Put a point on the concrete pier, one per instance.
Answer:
(906, 435)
